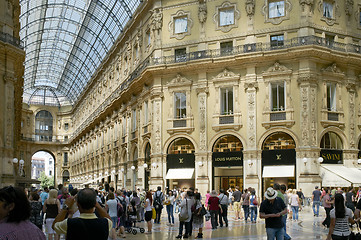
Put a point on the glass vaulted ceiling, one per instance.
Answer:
(65, 41)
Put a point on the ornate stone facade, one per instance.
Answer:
(130, 103)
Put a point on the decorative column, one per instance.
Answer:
(251, 162)
(201, 164)
(158, 164)
(307, 165)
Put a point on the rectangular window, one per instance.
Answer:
(276, 9)
(180, 55)
(180, 25)
(136, 52)
(66, 126)
(277, 41)
(226, 17)
(226, 48)
(329, 40)
(65, 159)
(327, 9)
(50, 173)
(227, 101)
(277, 96)
(331, 96)
(134, 120)
(180, 105)
(65, 138)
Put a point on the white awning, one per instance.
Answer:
(334, 175)
(278, 171)
(96, 180)
(180, 173)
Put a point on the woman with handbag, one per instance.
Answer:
(253, 204)
(169, 203)
(198, 218)
(148, 211)
(185, 215)
(340, 216)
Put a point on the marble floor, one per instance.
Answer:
(308, 227)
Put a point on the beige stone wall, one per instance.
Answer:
(103, 141)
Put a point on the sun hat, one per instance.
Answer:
(270, 193)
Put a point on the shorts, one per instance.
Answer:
(237, 206)
(114, 220)
(148, 216)
(121, 221)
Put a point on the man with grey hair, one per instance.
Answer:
(87, 226)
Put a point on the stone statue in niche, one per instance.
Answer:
(157, 19)
(202, 11)
(349, 7)
(250, 6)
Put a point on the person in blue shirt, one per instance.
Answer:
(43, 196)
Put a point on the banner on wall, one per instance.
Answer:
(180, 160)
(227, 159)
(331, 156)
(279, 157)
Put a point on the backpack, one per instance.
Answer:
(157, 201)
(121, 207)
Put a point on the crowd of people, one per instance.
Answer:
(97, 214)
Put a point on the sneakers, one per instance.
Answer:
(185, 236)
(179, 237)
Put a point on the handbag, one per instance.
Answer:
(203, 211)
(255, 202)
(154, 214)
(207, 216)
(355, 235)
(183, 215)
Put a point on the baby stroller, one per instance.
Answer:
(132, 220)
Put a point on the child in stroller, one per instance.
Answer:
(132, 219)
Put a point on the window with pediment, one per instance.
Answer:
(327, 9)
(276, 11)
(180, 25)
(226, 16)
(330, 11)
(180, 105)
(226, 100)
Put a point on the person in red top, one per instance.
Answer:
(214, 207)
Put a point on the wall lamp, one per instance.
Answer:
(320, 159)
(200, 164)
(154, 165)
(132, 167)
(250, 163)
(304, 160)
(359, 161)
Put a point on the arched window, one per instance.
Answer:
(228, 143)
(331, 141)
(181, 146)
(279, 140)
(43, 126)
(66, 176)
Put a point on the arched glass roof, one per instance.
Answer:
(65, 41)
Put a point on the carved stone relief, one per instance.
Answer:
(352, 114)
(202, 98)
(157, 125)
(202, 11)
(349, 7)
(157, 19)
(250, 8)
(307, 3)
(251, 130)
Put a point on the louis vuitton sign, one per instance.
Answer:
(279, 157)
(180, 161)
(227, 159)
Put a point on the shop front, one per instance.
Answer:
(278, 161)
(227, 163)
(180, 164)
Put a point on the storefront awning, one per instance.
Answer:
(334, 175)
(180, 173)
(278, 171)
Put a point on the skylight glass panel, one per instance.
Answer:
(68, 45)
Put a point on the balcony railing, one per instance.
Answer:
(228, 119)
(277, 116)
(178, 123)
(5, 37)
(215, 53)
(332, 116)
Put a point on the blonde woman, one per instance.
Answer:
(295, 204)
(51, 208)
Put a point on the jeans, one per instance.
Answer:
(170, 213)
(327, 220)
(254, 211)
(317, 210)
(158, 214)
(141, 213)
(273, 233)
(223, 215)
(294, 212)
(246, 211)
(284, 220)
(214, 214)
